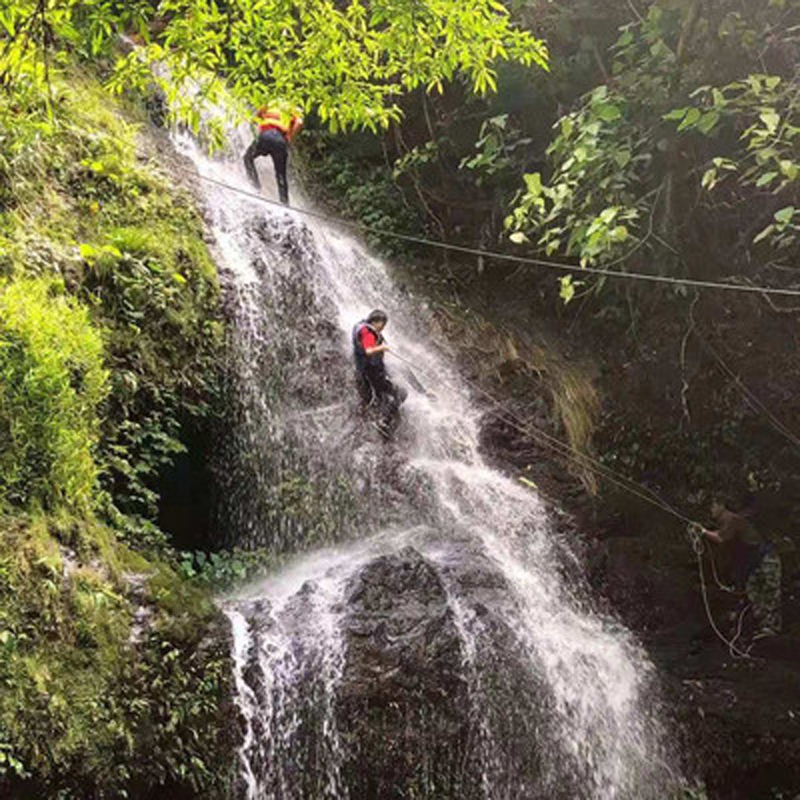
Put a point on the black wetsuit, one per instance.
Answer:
(273, 143)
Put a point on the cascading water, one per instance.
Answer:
(428, 644)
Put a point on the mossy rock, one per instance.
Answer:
(105, 658)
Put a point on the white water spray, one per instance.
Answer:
(309, 470)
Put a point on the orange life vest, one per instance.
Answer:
(274, 120)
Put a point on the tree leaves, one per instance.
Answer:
(567, 289)
(761, 109)
(766, 179)
(533, 184)
(53, 382)
(708, 122)
(608, 112)
(591, 149)
(691, 118)
(771, 119)
(673, 117)
(345, 60)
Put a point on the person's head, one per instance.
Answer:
(719, 505)
(377, 319)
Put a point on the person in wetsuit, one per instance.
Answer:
(376, 390)
(275, 134)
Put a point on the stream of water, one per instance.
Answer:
(567, 709)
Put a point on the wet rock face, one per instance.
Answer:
(289, 380)
(737, 721)
(426, 710)
(436, 677)
(403, 696)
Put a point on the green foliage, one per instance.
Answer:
(100, 657)
(51, 383)
(416, 158)
(226, 568)
(173, 698)
(591, 149)
(688, 111)
(348, 62)
(360, 189)
(152, 285)
(80, 202)
(762, 110)
(497, 147)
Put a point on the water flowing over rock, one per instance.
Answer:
(402, 694)
(428, 643)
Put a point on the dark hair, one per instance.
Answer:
(739, 503)
(377, 316)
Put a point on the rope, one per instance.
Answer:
(739, 622)
(643, 492)
(695, 534)
(750, 397)
(720, 585)
(522, 260)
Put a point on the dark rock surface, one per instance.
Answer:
(739, 717)
(418, 716)
(403, 693)
(738, 720)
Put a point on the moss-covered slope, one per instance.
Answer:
(113, 669)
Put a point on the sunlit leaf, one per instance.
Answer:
(766, 178)
(676, 114)
(771, 119)
(692, 117)
(708, 122)
(533, 183)
(608, 112)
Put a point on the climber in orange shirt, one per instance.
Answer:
(275, 133)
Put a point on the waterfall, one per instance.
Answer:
(423, 639)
